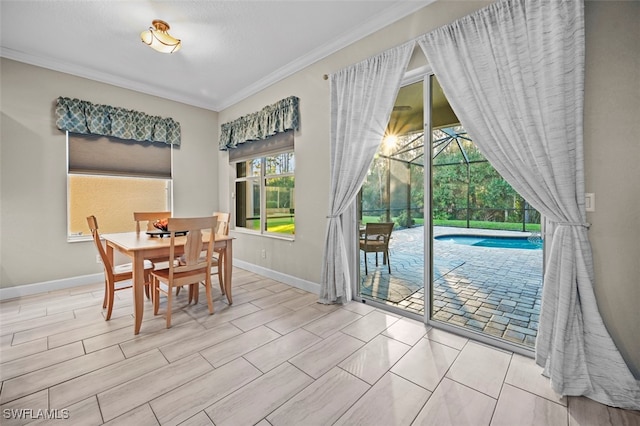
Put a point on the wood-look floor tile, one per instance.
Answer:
(369, 326)
(289, 322)
(322, 402)
(358, 307)
(89, 330)
(15, 413)
(516, 406)
(200, 419)
(276, 352)
(325, 355)
(58, 373)
(259, 398)
(446, 338)
(481, 367)
(12, 316)
(401, 399)
(40, 360)
(426, 363)
(35, 323)
(407, 331)
(277, 287)
(144, 388)
(525, 374)
(54, 328)
(237, 346)
(332, 322)
(202, 340)
(250, 296)
(456, 404)
(303, 300)
(374, 359)
(122, 335)
(587, 412)
(144, 343)
(141, 416)
(82, 413)
(228, 313)
(198, 394)
(98, 381)
(76, 302)
(11, 353)
(261, 317)
(276, 299)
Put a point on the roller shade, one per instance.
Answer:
(276, 144)
(103, 155)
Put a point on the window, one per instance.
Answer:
(264, 194)
(110, 179)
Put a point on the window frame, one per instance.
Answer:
(262, 179)
(168, 188)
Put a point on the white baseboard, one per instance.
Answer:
(44, 287)
(279, 276)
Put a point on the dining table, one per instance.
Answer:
(141, 246)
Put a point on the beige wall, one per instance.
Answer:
(612, 166)
(612, 155)
(33, 158)
(33, 169)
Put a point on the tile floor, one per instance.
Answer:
(275, 357)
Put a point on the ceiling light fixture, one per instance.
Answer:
(159, 39)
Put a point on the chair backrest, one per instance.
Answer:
(192, 260)
(93, 225)
(378, 231)
(222, 228)
(149, 217)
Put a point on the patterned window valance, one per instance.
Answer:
(83, 117)
(272, 119)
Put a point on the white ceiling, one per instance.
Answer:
(231, 49)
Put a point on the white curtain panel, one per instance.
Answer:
(514, 75)
(362, 98)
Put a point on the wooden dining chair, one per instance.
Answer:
(375, 239)
(222, 228)
(149, 218)
(117, 277)
(194, 265)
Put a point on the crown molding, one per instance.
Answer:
(383, 19)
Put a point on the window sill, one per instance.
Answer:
(289, 238)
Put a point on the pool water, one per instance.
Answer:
(491, 241)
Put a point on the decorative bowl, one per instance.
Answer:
(161, 224)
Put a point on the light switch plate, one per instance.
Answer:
(590, 202)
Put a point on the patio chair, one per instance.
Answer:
(375, 239)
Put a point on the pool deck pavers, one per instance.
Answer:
(491, 290)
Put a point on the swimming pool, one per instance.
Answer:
(491, 241)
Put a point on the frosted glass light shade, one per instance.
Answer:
(159, 39)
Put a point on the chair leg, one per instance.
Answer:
(221, 271)
(156, 296)
(110, 292)
(366, 272)
(386, 255)
(169, 297)
(376, 259)
(147, 283)
(106, 295)
(207, 285)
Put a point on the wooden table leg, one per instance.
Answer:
(228, 266)
(138, 291)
